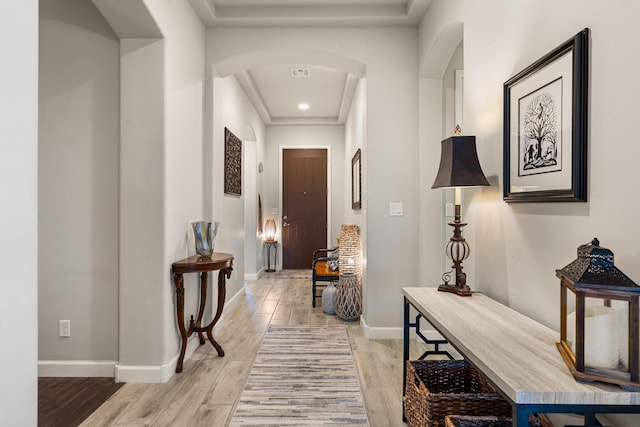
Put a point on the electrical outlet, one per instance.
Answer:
(395, 209)
(64, 328)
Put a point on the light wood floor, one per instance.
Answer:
(207, 390)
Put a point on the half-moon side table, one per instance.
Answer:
(195, 264)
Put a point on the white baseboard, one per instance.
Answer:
(146, 374)
(395, 333)
(125, 373)
(76, 368)
(380, 333)
(252, 277)
(162, 373)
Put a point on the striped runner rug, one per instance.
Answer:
(302, 375)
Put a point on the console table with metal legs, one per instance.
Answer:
(515, 353)
(195, 264)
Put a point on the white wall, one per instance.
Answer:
(19, 213)
(527, 242)
(355, 129)
(518, 247)
(141, 203)
(355, 138)
(330, 137)
(184, 113)
(449, 92)
(78, 184)
(162, 104)
(232, 109)
(389, 55)
(252, 241)
(391, 156)
(448, 125)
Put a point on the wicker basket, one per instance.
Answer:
(437, 388)
(469, 421)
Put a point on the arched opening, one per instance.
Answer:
(259, 150)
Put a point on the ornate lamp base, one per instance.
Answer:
(457, 250)
(461, 291)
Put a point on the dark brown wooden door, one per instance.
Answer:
(304, 205)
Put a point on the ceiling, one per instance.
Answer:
(277, 90)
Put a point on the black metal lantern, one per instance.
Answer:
(602, 343)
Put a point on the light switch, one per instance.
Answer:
(395, 209)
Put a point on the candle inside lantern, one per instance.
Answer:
(622, 337)
(601, 340)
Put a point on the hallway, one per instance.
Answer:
(207, 390)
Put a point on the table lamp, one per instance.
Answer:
(270, 230)
(459, 167)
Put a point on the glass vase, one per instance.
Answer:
(204, 233)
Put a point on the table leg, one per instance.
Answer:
(203, 303)
(222, 291)
(590, 420)
(405, 354)
(268, 247)
(268, 257)
(520, 416)
(179, 284)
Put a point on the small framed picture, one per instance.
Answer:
(356, 176)
(545, 127)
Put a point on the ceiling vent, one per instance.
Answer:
(300, 72)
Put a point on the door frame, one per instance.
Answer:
(281, 149)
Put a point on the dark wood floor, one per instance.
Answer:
(66, 402)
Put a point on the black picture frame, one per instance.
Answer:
(548, 165)
(356, 181)
(260, 220)
(232, 164)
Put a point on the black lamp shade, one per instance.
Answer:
(459, 165)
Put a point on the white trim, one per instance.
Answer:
(76, 368)
(163, 373)
(252, 277)
(125, 373)
(329, 189)
(459, 99)
(380, 333)
(144, 374)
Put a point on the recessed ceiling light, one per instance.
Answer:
(303, 106)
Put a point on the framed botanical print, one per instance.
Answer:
(545, 127)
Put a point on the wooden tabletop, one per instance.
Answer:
(217, 261)
(516, 353)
